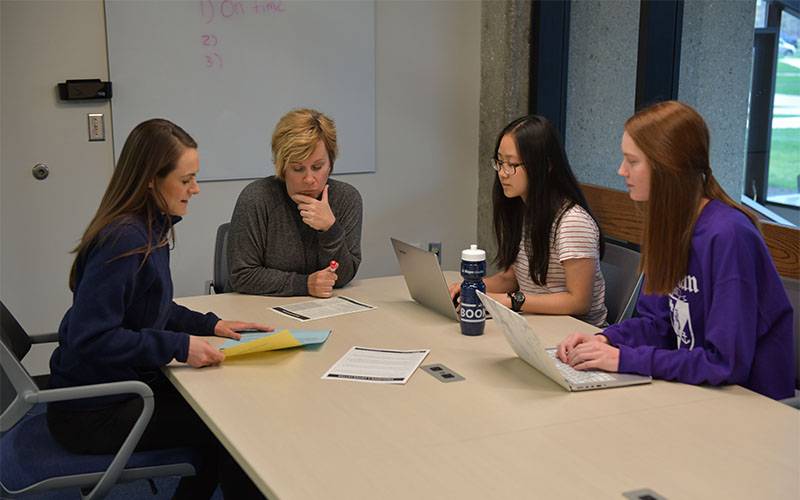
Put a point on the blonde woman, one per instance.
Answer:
(286, 229)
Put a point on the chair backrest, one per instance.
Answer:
(792, 287)
(221, 259)
(30, 472)
(17, 383)
(13, 334)
(620, 267)
(17, 343)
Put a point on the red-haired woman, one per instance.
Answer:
(713, 310)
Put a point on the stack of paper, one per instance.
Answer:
(271, 341)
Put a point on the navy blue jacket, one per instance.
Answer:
(123, 323)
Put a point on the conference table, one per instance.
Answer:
(505, 431)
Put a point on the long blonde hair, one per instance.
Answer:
(675, 140)
(151, 151)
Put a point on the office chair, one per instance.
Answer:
(620, 267)
(220, 283)
(19, 343)
(34, 462)
(792, 287)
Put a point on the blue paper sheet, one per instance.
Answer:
(305, 337)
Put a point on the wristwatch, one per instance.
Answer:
(517, 299)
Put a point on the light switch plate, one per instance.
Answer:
(97, 127)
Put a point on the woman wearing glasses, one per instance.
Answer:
(549, 244)
(713, 309)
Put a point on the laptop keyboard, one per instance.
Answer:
(574, 376)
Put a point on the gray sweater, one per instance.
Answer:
(271, 251)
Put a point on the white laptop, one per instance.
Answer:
(424, 278)
(527, 345)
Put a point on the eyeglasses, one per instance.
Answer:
(507, 167)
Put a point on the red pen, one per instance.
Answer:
(333, 266)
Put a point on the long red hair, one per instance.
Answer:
(675, 140)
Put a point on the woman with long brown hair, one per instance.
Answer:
(123, 323)
(713, 309)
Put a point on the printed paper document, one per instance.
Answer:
(378, 366)
(322, 308)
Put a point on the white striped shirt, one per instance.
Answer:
(576, 237)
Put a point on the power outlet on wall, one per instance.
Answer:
(436, 247)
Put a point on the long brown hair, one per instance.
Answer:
(675, 140)
(151, 151)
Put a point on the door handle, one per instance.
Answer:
(40, 171)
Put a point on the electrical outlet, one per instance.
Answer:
(443, 373)
(97, 127)
(436, 247)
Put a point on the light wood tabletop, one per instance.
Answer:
(506, 431)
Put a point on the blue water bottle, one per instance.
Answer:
(473, 269)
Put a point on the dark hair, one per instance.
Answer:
(151, 151)
(552, 190)
(675, 140)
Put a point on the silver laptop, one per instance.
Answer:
(424, 278)
(527, 345)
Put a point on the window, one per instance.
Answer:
(761, 14)
(773, 160)
(783, 184)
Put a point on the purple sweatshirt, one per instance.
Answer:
(728, 321)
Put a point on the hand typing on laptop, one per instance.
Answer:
(455, 290)
(455, 293)
(588, 352)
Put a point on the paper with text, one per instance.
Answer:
(322, 308)
(378, 366)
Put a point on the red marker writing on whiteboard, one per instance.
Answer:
(333, 266)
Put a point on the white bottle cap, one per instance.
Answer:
(473, 254)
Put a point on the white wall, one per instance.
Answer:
(425, 187)
(40, 221)
(428, 78)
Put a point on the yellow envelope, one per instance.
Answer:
(281, 340)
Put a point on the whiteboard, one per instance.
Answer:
(227, 70)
